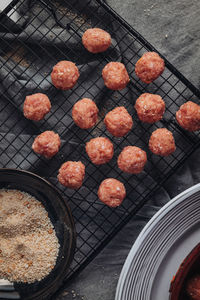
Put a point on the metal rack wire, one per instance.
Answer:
(96, 224)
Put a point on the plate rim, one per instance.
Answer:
(146, 230)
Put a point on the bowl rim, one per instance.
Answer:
(70, 216)
(45, 181)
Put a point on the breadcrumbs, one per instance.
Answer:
(28, 243)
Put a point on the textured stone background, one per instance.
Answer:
(178, 19)
(172, 27)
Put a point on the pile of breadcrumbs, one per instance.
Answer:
(28, 243)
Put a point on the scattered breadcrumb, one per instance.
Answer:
(79, 19)
(148, 10)
(28, 243)
(17, 55)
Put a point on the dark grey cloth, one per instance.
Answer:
(172, 27)
(99, 279)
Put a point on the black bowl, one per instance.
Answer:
(60, 215)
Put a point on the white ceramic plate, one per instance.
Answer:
(160, 248)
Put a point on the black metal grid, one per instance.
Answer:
(96, 224)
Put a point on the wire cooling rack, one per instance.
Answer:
(95, 223)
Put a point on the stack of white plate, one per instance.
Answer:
(160, 248)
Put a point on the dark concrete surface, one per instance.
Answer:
(172, 27)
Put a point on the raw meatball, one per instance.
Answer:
(85, 113)
(64, 75)
(149, 67)
(118, 121)
(162, 142)
(150, 108)
(115, 76)
(100, 150)
(188, 116)
(71, 174)
(193, 287)
(47, 144)
(132, 160)
(36, 106)
(111, 192)
(96, 40)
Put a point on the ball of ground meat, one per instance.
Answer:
(162, 142)
(96, 40)
(71, 174)
(64, 75)
(193, 287)
(150, 108)
(47, 144)
(132, 160)
(149, 67)
(100, 150)
(115, 76)
(36, 106)
(188, 116)
(118, 121)
(111, 192)
(85, 113)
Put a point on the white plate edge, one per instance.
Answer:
(145, 231)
